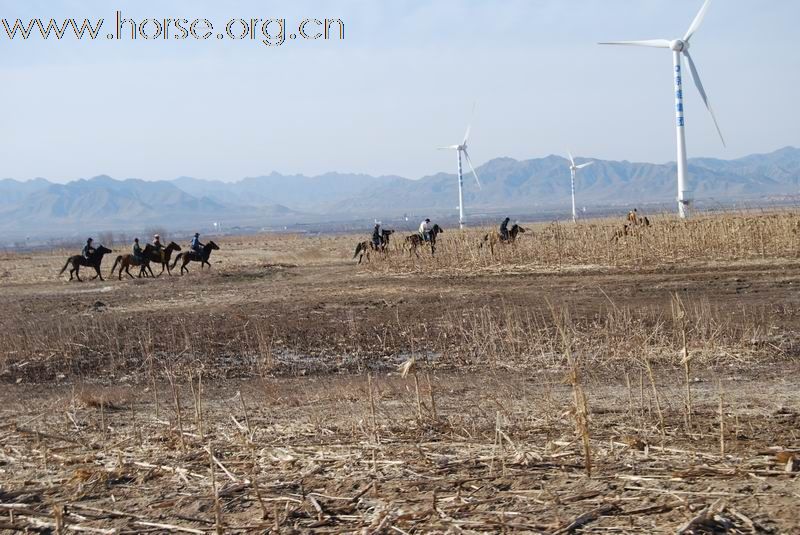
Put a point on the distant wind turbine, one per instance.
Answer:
(573, 169)
(459, 149)
(678, 47)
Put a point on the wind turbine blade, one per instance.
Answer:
(450, 147)
(699, 84)
(698, 20)
(469, 126)
(581, 166)
(571, 159)
(466, 134)
(654, 43)
(469, 162)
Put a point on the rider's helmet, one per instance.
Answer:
(136, 240)
(156, 237)
(427, 219)
(196, 234)
(89, 240)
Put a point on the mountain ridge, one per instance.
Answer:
(535, 184)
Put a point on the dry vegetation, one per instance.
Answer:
(560, 245)
(564, 385)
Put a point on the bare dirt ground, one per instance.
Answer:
(263, 396)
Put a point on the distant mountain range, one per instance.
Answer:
(41, 208)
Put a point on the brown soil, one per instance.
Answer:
(294, 326)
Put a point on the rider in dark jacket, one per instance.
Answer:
(137, 250)
(196, 246)
(159, 248)
(88, 249)
(504, 229)
(377, 237)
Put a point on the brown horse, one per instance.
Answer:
(125, 261)
(94, 261)
(494, 238)
(415, 240)
(194, 256)
(363, 248)
(156, 258)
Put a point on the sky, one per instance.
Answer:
(403, 81)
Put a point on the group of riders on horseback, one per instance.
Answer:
(155, 252)
(427, 234)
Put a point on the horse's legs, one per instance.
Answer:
(77, 273)
(150, 269)
(127, 270)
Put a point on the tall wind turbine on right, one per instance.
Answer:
(680, 47)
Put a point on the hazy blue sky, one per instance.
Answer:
(401, 83)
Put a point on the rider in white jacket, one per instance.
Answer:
(425, 229)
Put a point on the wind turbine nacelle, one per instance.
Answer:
(679, 46)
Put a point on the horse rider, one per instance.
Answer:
(88, 249)
(196, 246)
(504, 229)
(158, 246)
(633, 217)
(137, 250)
(377, 236)
(425, 229)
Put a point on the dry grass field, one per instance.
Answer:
(575, 382)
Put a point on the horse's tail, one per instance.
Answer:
(358, 249)
(117, 261)
(65, 266)
(175, 262)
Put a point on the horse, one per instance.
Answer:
(156, 258)
(94, 261)
(125, 261)
(194, 256)
(494, 238)
(363, 248)
(620, 234)
(415, 240)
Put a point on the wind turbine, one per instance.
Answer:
(459, 149)
(573, 169)
(681, 47)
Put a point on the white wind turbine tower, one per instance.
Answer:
(678, 47)
(573, 169)
(459, 149)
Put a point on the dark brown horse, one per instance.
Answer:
(194, 256)
(415, 240)
(156, 258)
(494, 238)
(363, 248)
(125, 261)
(93, 261)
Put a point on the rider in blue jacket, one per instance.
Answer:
(196, 246)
